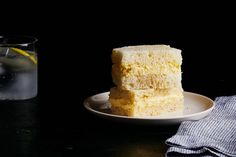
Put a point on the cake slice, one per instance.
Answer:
(150, 102)
(146, 66)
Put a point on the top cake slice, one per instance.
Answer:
(146, 66)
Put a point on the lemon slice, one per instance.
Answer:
(26, 54)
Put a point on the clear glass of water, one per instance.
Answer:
(18, 67)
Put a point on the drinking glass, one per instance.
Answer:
(18, 67)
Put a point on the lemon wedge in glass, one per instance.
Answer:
(26, 54)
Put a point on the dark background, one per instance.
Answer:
(74, 51)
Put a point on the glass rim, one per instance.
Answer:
(28, 40)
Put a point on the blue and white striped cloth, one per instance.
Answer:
(214, 135)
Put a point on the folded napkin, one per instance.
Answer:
(214, 135)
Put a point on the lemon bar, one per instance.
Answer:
(146, 66)
(144, 103)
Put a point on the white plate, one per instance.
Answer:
(196, 107)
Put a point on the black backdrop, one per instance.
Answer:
(75, 44)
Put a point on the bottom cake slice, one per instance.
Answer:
(143, 103)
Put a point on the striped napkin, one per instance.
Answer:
(214, 135)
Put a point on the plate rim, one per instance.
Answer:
(85, 104)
